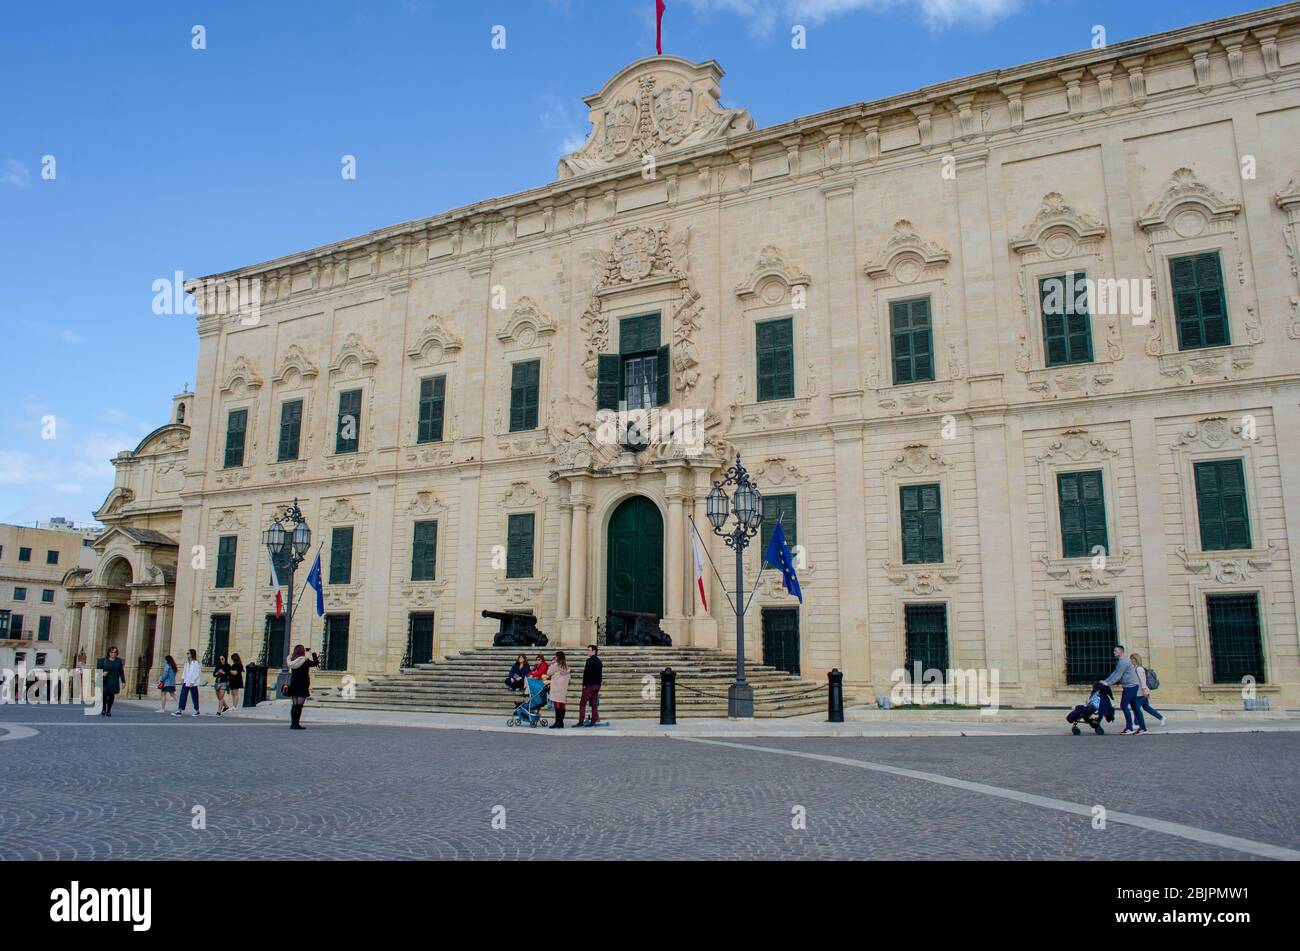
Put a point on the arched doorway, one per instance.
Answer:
(635, 560)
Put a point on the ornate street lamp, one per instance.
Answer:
(746, 504)
(287, 541)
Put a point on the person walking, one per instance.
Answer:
(1144, 689)
(236, 679)
(221, 683)
(591, 678)
(1126, 676)
(166, 683)
(190, 678)
(114, 676)
(560, 675)
(299, 684)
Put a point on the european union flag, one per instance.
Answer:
(778, 556)
(313, 579)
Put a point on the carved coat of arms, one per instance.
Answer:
(620, 128)
(634, 252)
(673, 112)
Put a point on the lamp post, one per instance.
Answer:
(287, 541)
(746, 504)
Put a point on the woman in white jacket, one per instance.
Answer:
(190, 678)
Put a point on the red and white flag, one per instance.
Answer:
(660, 6)
(279, 595)
(698, 552)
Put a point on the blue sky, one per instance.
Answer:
(168, 158)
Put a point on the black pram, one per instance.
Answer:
(1100, 706)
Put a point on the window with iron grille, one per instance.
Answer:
(218, 639)
(348, 437)
(519, 545)
(784, 507)
(334, 647)
(1236, 650)
(341, 555)
(43, 628)
(236, 429)
(774, 341)
(1083, 513)
(1091, 634)
(922, 524)
(911, 340)
(1067, 327)
(290, 430)
(424, 551)
(1221, 504)
(1200, 308)
(926, 626)
(226, 547)
(433, 407)
(524, 395)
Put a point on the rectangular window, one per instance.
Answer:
(1083, 513)
(519, 546)
(334, 653)
(424, 551)
(433, 407)
(1221, 504)
(226, 547)
(1067, 327)
(774, 341)
(20, 594)
(24, 554)
(51, 557)
(236, 430)
(47, 595)
(290, 430)
(1090, 636)
(43, 629)
(524, 394)
(218, 639)
(341, 555)
(4, 623)
(785, 508)
(911, 341)
(927, 640)
(347, 438)
(1236, 651)
(16, 626)
(1200, 307)
(922, 524)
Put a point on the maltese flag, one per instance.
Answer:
(698, 552)
(279, 595)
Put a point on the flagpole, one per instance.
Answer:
(753, 588)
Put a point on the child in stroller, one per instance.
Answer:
(1100, 706)
(528, 709)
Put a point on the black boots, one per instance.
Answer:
(559, 719)
(295, 717)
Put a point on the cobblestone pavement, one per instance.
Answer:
(126, 788)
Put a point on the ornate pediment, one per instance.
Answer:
(1186, 205)
(296, 364)
(1212, 432)
(906, 255)
(425, 502)
(435, 341)
(526, 326)
(1057, 229)
(241, 378)
(341, 511)
(354, 356)
(917, 459)
(1076, 445)
(771, 278)
(655, 105)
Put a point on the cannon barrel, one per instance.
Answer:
(633, 615)
(511, 615)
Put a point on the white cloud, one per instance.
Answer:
(764, 15)
(14, 173)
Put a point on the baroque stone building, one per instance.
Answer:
(875, 307)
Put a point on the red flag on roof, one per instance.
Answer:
(660, 6)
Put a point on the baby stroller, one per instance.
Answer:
(528, 709)
(1100, 706)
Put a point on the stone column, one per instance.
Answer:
(136, 619)
(162, 638)
(704, 626)
(674, 568)
(851, 497)
(997, 572)
(74, 633)
(376, 639)
(99, 618)
(580, 625)
(467, 558)
(562, 569)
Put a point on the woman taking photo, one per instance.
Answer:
(221, 682)
(236, 679)
(299, 683)
(114, 676)
(166, 683)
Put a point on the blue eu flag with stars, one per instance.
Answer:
(314, 580)
(778, 556)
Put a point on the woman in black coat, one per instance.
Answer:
(114, 676)
(299, 683)
(518, 674)
(236, 679)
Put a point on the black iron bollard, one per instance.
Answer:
(668, 697)
(835, 697)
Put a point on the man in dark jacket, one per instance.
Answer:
(591, 677)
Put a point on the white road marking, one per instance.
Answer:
(12, 731)
(1249, 846)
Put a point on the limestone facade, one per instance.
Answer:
(1116, 163)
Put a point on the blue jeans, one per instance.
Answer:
(1144, 703)
(194, 692)
(1129, 701)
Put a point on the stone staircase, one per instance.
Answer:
(473, 682)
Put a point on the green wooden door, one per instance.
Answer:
(781, 639)
(635, 577)
(419, 645)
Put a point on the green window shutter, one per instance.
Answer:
(347, 436)
(290, 430)
(608, 383)
(524, 395)
(226, 548)
(236, 428)
(341, 555)
(662, 393)
(774, 341)
(1083, 513)
(1067, 326)
(911, 341)
(922, 524)
(784, 507)
(1221, 505)
(334, 642)
(433, 408)
(1200, 305)
(424, 551)
(519, 546)
(638, 334)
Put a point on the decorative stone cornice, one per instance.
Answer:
(1185, 189)
(241, 377)
(905, 251)
(295, 361)
(354, 350)
(435, 341)
(771, 270)
(1057, 227)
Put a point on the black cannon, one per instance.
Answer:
(518, 629)
(636, 629)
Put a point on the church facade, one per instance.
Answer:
(1015, 359)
